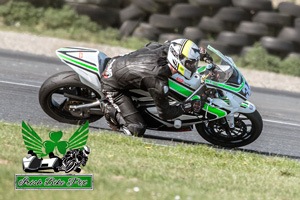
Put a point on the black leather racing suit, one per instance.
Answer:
(146, 69)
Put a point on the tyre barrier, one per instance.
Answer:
(277, 46)
(145, 30)
(233, 25)
(253, 5)
(106, 16)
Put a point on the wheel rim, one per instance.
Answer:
(241, 132)
(70, 166)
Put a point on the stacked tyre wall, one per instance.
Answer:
(231, 26)
(104, 12)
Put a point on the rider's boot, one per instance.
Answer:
(116, 121)
(110, 114)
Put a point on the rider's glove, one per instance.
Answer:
(204, 56)
(193, 106)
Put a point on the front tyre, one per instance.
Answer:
(248, 127)
(53, 100)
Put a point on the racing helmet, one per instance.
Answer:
(184, 56)
(86, 150)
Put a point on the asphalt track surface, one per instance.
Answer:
(22, 74)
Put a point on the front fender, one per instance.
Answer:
(246, 107)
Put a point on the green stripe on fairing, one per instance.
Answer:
(245, 104)
(196, 97)
(226, 86)
(179, 88)
(79, 63)
(219, 113)
(201, 69)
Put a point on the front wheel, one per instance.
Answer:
(248, 127)
(70, 166)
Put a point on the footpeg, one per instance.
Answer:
(177, 123)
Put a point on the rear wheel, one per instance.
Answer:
(248, 127)
(70, 166)
(62, 90)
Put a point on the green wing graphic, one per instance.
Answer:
(79, 138)
(32, 140)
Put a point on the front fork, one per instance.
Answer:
(230, 120)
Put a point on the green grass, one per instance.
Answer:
(121, 163)
(258, 58)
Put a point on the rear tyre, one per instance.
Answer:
(70, 166)
(248, 127)
(54, 103)
(55, 169)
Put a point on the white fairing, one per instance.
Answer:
(250, 109)
(27, 161)
(194, 82)
(85, 62)
(49, 162)
(88, 78)
(88, 56)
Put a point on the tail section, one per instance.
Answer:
(87, 63)
(84, 58)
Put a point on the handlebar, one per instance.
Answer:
(210, 67)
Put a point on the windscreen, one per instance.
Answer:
(236, 83)
(222, 73)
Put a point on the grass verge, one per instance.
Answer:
(127, 168)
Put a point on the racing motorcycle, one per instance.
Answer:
(227, 119)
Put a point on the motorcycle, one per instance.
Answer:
(227, 119)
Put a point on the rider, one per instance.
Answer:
(73, 154)
(148, 69)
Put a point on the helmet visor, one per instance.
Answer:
(191, 64)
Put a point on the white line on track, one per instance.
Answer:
(21, 84)
(279, 122)
(266, 120)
